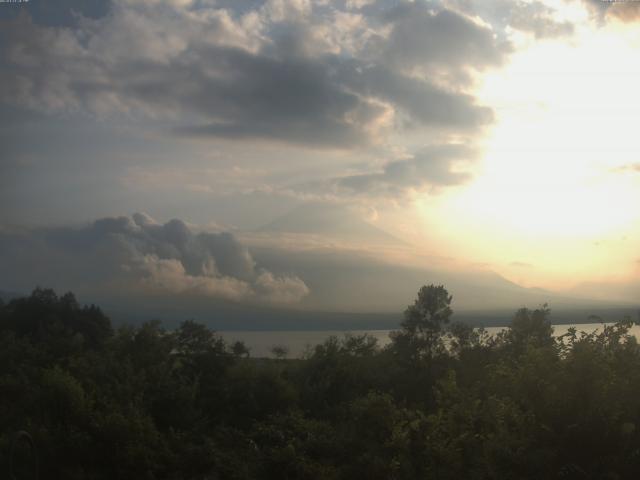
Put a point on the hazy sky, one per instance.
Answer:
(483, 136)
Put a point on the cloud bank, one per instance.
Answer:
(128, 255)
(431, 168)
(317, 74)
(376, 78)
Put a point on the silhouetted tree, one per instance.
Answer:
(239, 349)
(531, 328)
(423, 325)
(280, 351)
(442, 401)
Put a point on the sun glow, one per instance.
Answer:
(555, 182)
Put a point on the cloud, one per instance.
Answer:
(291, 71)
(59, 13)
(533, 17)
(632, 167)
(627, 12)
(430, 168)
(423, 36)
(538, 19)
(423, 102)
(138, 255)
(614, 10)
(521, 264)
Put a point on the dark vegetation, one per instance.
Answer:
(442, 401)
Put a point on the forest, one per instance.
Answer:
(441, 401)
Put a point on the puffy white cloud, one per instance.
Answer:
(139, 255)
(280, 289)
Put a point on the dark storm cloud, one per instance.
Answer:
(136, 254)
(291, 74)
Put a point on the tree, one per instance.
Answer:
(196, 339)
(239, 349)
(280, 351)
(531, 327)
(59, 322)
(423, 324)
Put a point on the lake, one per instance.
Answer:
(261, 342)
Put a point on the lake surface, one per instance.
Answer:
(297, 342)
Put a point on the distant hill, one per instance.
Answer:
(344, 280)
(622, 291)
(331, 221)
(341, 280)
(7, 296)
(221, 315)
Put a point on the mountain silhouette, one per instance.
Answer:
(331, 221)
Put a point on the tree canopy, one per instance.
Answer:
(443, 400)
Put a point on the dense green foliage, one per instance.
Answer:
(441, 401)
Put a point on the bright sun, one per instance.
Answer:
(555, 180)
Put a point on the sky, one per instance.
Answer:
(300, 154)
